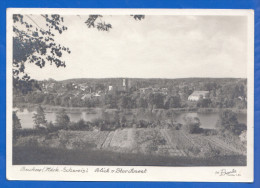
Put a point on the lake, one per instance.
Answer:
(208, 120)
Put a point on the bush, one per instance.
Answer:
(80, 125)
(209, 132)
(103, 125)
(176, 126)
(62, 119)
(192, 124)
(212, 152)
(193, 150)
(229, 122)
(29, 132)
(142, 124)
(50, 126)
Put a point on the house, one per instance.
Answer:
(97, 94)
(86, 96)
(83, 87)
(196, 95)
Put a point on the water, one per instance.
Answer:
(26, 117)
(207, 120)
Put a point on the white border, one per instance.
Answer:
(193, 174)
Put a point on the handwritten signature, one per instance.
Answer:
(227, 172)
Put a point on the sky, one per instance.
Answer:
(156, 47)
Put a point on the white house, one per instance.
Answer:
(110, 88)
(196, 95)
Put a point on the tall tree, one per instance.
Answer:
(39, 118)
(16, 121)
(62, 119)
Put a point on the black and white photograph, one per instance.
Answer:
(142, 89)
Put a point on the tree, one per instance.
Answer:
(156, 99)
(123, 102)
(62, 119)
(94, 21)
(35, 44)
(116, 118)
(16, 121)
(126, 102)
(22, 87)
(209, 86)
(192, 124)
(142, 102)
(229, 122)
(172, 102)
(123, 121)
(39, 118)
(187, 92)
(203, 103)
(111, 101)
(105, 116)
(50, 125)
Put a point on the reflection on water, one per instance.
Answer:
(208, 120)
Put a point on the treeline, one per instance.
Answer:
(134, 100)
(229, 94)
(66, 100)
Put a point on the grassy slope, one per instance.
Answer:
(54, 156)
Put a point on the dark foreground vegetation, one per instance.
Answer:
(54, 156)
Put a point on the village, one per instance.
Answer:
(122, 86)
(129, 91)
(140, 93)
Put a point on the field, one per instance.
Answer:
(161, 146)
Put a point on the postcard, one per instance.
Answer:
(130, 95)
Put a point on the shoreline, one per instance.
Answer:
(31, 107)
